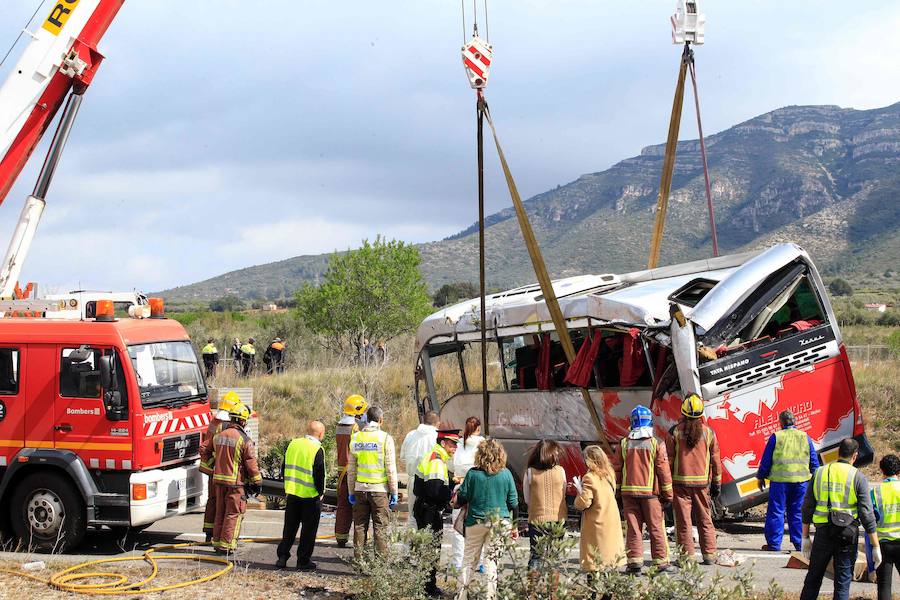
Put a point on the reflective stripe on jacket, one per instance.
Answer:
(207, 456)
(643, 471)
(698, 466)
(434, 465)
(790, 460)
(834, 481)
(298, 467)
(235, 458)
(887, 503)
(368, 448)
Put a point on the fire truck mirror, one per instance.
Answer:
(108, 380)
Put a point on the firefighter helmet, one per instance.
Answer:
(641, 417)
(692, 407)
(239, 412)
(355, 405)
(229, 400)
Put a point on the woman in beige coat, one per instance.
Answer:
(601, 527)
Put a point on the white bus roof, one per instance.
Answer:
(639, 298)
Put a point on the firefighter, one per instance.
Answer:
(274, 357)
(693, 453)
(837, 503)
(788, 462)
(432, 490)
(236, 474)
(645, 484)
(304, 486)
(228, 402)
(354, 417)
(210, 358)
(248, 356)
(372, 481)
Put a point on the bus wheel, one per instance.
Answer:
(47, 513)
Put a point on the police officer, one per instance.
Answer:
(788, 462)
(304, 485)
(210, 358)
(839, 492)
(372, 481)
(355, 407)
(228, 402)
(887, 507)
(236, 474)
(693, 452)
(432, 489)
(248, 356)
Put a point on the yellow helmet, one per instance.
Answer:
(239, 412)
(229, 400)
(355, 405)
(692, 407)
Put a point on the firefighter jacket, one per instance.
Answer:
(206, 462)
(642, 469)
(694, 467)
(432, 480)
(346, 427)
(233, 456)
(887, 506)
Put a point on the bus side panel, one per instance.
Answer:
(819, 396)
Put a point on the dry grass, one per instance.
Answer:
(878, 388)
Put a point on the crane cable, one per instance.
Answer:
(72, 578)
(665, 183)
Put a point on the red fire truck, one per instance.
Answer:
(100, 419)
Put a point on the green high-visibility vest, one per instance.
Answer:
(368, 448)
(887, 502)
(298, 467)
(790, 461)
(434, 465)
(834, 481)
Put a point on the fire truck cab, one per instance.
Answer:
(100, 425)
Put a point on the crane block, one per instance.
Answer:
(477, 56)
(688, 23)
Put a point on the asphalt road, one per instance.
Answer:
(744, 539)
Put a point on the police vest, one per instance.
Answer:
(834, 481)
(298, 468)
(434, 465)
(368, 448)
(248, 349)
(887, 499)
(790, 460)
(209, 349)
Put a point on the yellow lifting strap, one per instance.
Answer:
(665, 183)
(540, 270)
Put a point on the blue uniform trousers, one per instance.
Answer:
(785, 498)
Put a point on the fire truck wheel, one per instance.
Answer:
(47, 513)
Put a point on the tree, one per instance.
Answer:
(451, 293)
(839, 287)
(226, 303)
(374, 293)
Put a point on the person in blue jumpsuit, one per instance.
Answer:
(788, 462)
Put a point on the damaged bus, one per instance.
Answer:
(753, 334)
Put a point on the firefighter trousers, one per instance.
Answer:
(209, 515)
(639, 512)
(230, 508)
(692, 507)
(343, 515)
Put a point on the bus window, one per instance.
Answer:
(795, 309)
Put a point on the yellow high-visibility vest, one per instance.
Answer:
(248, 349)
(434, 465)
(834, 481)
(887, 501)
(790, 460)
(368, 448)
(298, 467)
(209, 349)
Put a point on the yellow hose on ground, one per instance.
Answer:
(70, 579)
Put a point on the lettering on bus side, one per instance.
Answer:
(59, 15)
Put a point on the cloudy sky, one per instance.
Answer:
(219, 135)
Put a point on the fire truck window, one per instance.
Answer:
(79, 373)
(9, 371)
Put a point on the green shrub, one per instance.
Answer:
(403, 573)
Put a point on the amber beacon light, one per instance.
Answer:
(105, 311)
(157, 308)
